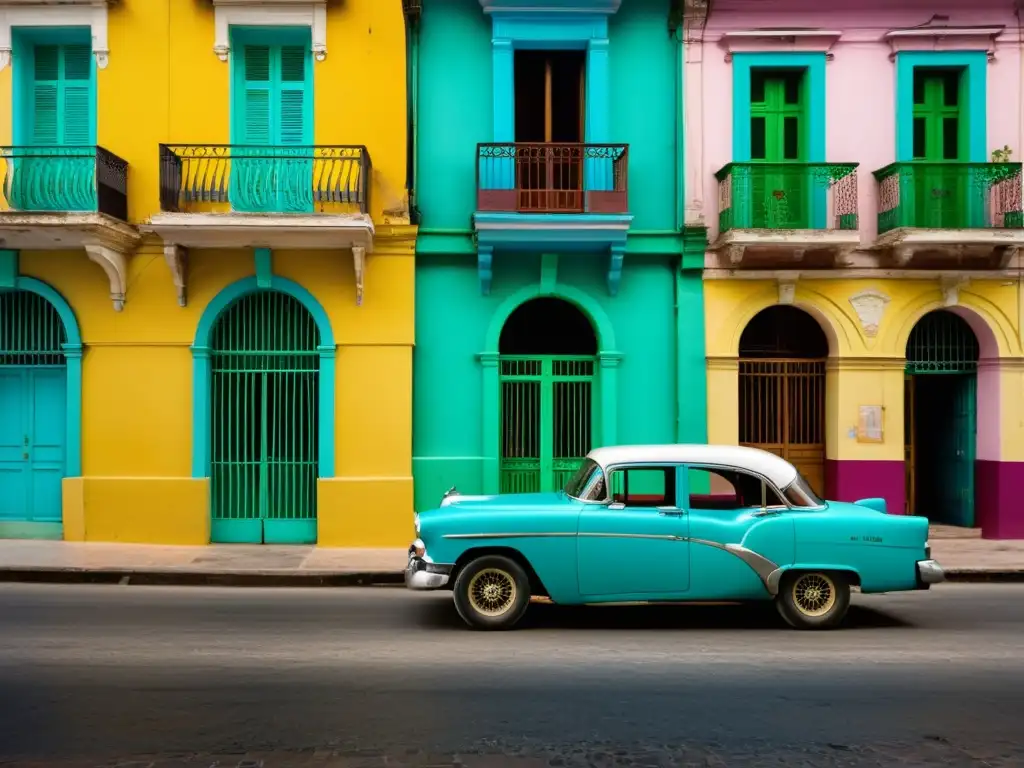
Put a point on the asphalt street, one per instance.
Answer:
(114, 672)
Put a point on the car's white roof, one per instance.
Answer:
(777, 470)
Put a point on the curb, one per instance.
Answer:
(167, 578)
(178, 578)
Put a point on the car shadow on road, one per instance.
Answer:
(441, 614)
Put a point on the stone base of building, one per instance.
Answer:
(137, 510)
(365, 512)
(998, 495)
(853, 480)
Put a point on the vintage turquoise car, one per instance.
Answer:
(668, 523)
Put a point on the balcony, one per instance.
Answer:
(552, 178)
(233, 196)
(552, 197)
(786, 215)
(58, 198)
(949, 215)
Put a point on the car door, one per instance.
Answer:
(633, 545)
(740, 529)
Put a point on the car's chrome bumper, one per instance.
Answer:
(422, 572)
(929, 572)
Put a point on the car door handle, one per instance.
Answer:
(670, 512)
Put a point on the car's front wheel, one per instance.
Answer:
(492, 592)
(813, 599)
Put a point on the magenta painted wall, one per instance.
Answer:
(855, 480)
(860, 83)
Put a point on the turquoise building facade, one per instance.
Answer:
(559, 303)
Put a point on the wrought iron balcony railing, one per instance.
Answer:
(205, 178)
(552, 178)
(787, 196)
(949, 196)
(52, 179)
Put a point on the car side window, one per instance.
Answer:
(646, 486)
(728, 489)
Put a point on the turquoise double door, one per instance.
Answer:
(32, 443)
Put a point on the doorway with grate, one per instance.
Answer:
(782, 389)
(941, 424)
(547, 360)
(265, 379)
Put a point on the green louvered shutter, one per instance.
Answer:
(59, 179)
(274, 114)
(294, 176)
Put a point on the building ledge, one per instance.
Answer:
(911, 247)
(261, 230)
(782, 248)
(944, 38)
(603, 234)
(107, 241)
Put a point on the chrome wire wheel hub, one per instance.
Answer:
(814, 594)
(492, 592)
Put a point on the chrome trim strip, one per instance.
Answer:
(762, 566)
(666, 537)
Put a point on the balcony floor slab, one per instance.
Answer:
(994, 248)
(555, 231)
(56, 231)
(263, 230)
(778, 248)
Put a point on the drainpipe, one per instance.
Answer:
(411, 10)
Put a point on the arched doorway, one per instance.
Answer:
(782, 389)
(547, 356)
(33, 408)
(264, 411)
(940, 412)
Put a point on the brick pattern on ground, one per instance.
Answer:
(929, 751)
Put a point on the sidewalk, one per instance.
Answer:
(963, 553)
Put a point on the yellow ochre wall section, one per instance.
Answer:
(164, 84)
(866, 369)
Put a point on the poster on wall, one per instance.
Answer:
(869, 424)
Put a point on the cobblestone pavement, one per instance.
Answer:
(117, 677)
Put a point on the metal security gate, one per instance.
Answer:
(941, 400)
(546, 420)
(265, 394)
(33, 404)
(782, 410)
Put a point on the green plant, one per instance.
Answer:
(1002, 155)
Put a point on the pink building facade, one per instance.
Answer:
(855, 167)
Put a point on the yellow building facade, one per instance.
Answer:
(206, 272)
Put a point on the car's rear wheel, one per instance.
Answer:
(492, 592)
(813, 599)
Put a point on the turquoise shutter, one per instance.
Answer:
(46, 96)
(273, 114)
(62, 116)
(257, 125)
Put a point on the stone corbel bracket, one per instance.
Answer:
(359, 263)
(177, 261)
(951, 287)
(115, 264)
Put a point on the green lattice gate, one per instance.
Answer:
(265, 394)
(942, 364)
(546, 420)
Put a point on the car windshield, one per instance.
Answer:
(578, 482)
(799, 494)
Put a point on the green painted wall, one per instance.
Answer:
(661, 377)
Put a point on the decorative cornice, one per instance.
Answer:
(46, 13)
(939, 38)
(395, 240)
(756, 40)
(256, 13)
(550, 6)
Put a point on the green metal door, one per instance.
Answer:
(939, 189)
(777, 140)
(264, 407)
(942, 356)
(546, 420)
